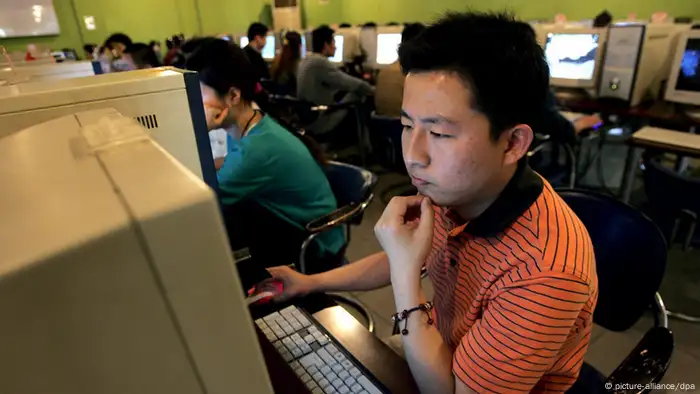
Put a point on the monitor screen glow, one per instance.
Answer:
(572, 56)
(388, 48)
(338, 58)
(689, 73)
(268, 51)
(244, 42)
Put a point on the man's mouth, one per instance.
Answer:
(418, 181)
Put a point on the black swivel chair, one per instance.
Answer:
(545, 157)
(674, 200)
(630, 254)
(387, 132)
(353, 189)
(300, 114)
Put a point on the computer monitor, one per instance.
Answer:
(303, 46)
(684, 81)
(244, 41)
(268, 51)
(388, 48)
(165, 100)
(48, 72)
(338, 57)
(574, 57)
(351, 42)
(117, 275)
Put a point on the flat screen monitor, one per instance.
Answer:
(388, 48)
(573, 58)
(338, 58)
(684, 81)
(303, 46)
(268, 51)
(244, 41)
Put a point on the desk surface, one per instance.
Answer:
(669, 140)
(375, 356)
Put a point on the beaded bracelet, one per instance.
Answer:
(403, 316)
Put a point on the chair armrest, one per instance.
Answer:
(338, 217)
(647, 363)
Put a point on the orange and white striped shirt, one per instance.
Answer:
(515, 290)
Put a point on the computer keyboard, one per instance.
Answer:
(315, 358)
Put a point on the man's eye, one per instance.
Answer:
(438, 135)
(407, 127)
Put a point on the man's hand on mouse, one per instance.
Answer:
(405, 232)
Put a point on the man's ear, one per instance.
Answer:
(519, 139)
(233, 97)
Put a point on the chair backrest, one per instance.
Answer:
(350, 184)
(669, 191)
(630, 254)
(390, 129)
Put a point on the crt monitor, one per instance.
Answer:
(387, 48)
(120, 279)
(338, 57)
(574, 57)
(268, 51)
(684, 81)
(167, 101)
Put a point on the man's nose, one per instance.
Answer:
(415, 150)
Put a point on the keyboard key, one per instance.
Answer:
(323, 383)
(317, 390)
(305, 377)
(350, 381)
(296, 326)
(305, 349)
(273, 317)
(367, 385)
(331, 376)
(303, 320)
(337, 368)
(326, 357)
(287, 328)
(340, 357)
(297, 352)
(258, 322)
(298, 340)
(311, 359)
(343, 375)
(317, 376)
(325, 369)
(356, 389)
(312, 370)
(337, 383)
(313, 330)
(347, 364)
(289, 310)
(331, 390)
(344, 390)
(309, 339)
(299, 371)
(294, 364)
(330, 348)
(311, 385)
(321, 339)
(287, 356)
(354, 372)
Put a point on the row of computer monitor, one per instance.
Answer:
(629, 61)
(379, 45)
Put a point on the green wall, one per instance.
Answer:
(145, 20)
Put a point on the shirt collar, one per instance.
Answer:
(520, 193)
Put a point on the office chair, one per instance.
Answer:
(674, 200)
(545, 158)
(353, 189)
(629, 277)
(301, 114)
(387, 132)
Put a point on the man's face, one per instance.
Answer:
(447, 145)
(260, 42)
(330, 48)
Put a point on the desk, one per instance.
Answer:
(681, 143)
(656, 113)
(376, 357)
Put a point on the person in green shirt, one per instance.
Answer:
(270, 184)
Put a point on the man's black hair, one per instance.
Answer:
(411, 30)
(257, 29)
(496, 57)
(320, 37)
(142, 55)
(221, 65)
(118, 38)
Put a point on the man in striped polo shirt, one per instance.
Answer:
(512, 266)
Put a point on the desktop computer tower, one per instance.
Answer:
(637, 61)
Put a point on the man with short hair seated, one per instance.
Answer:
(257, 39)
(320, 81)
